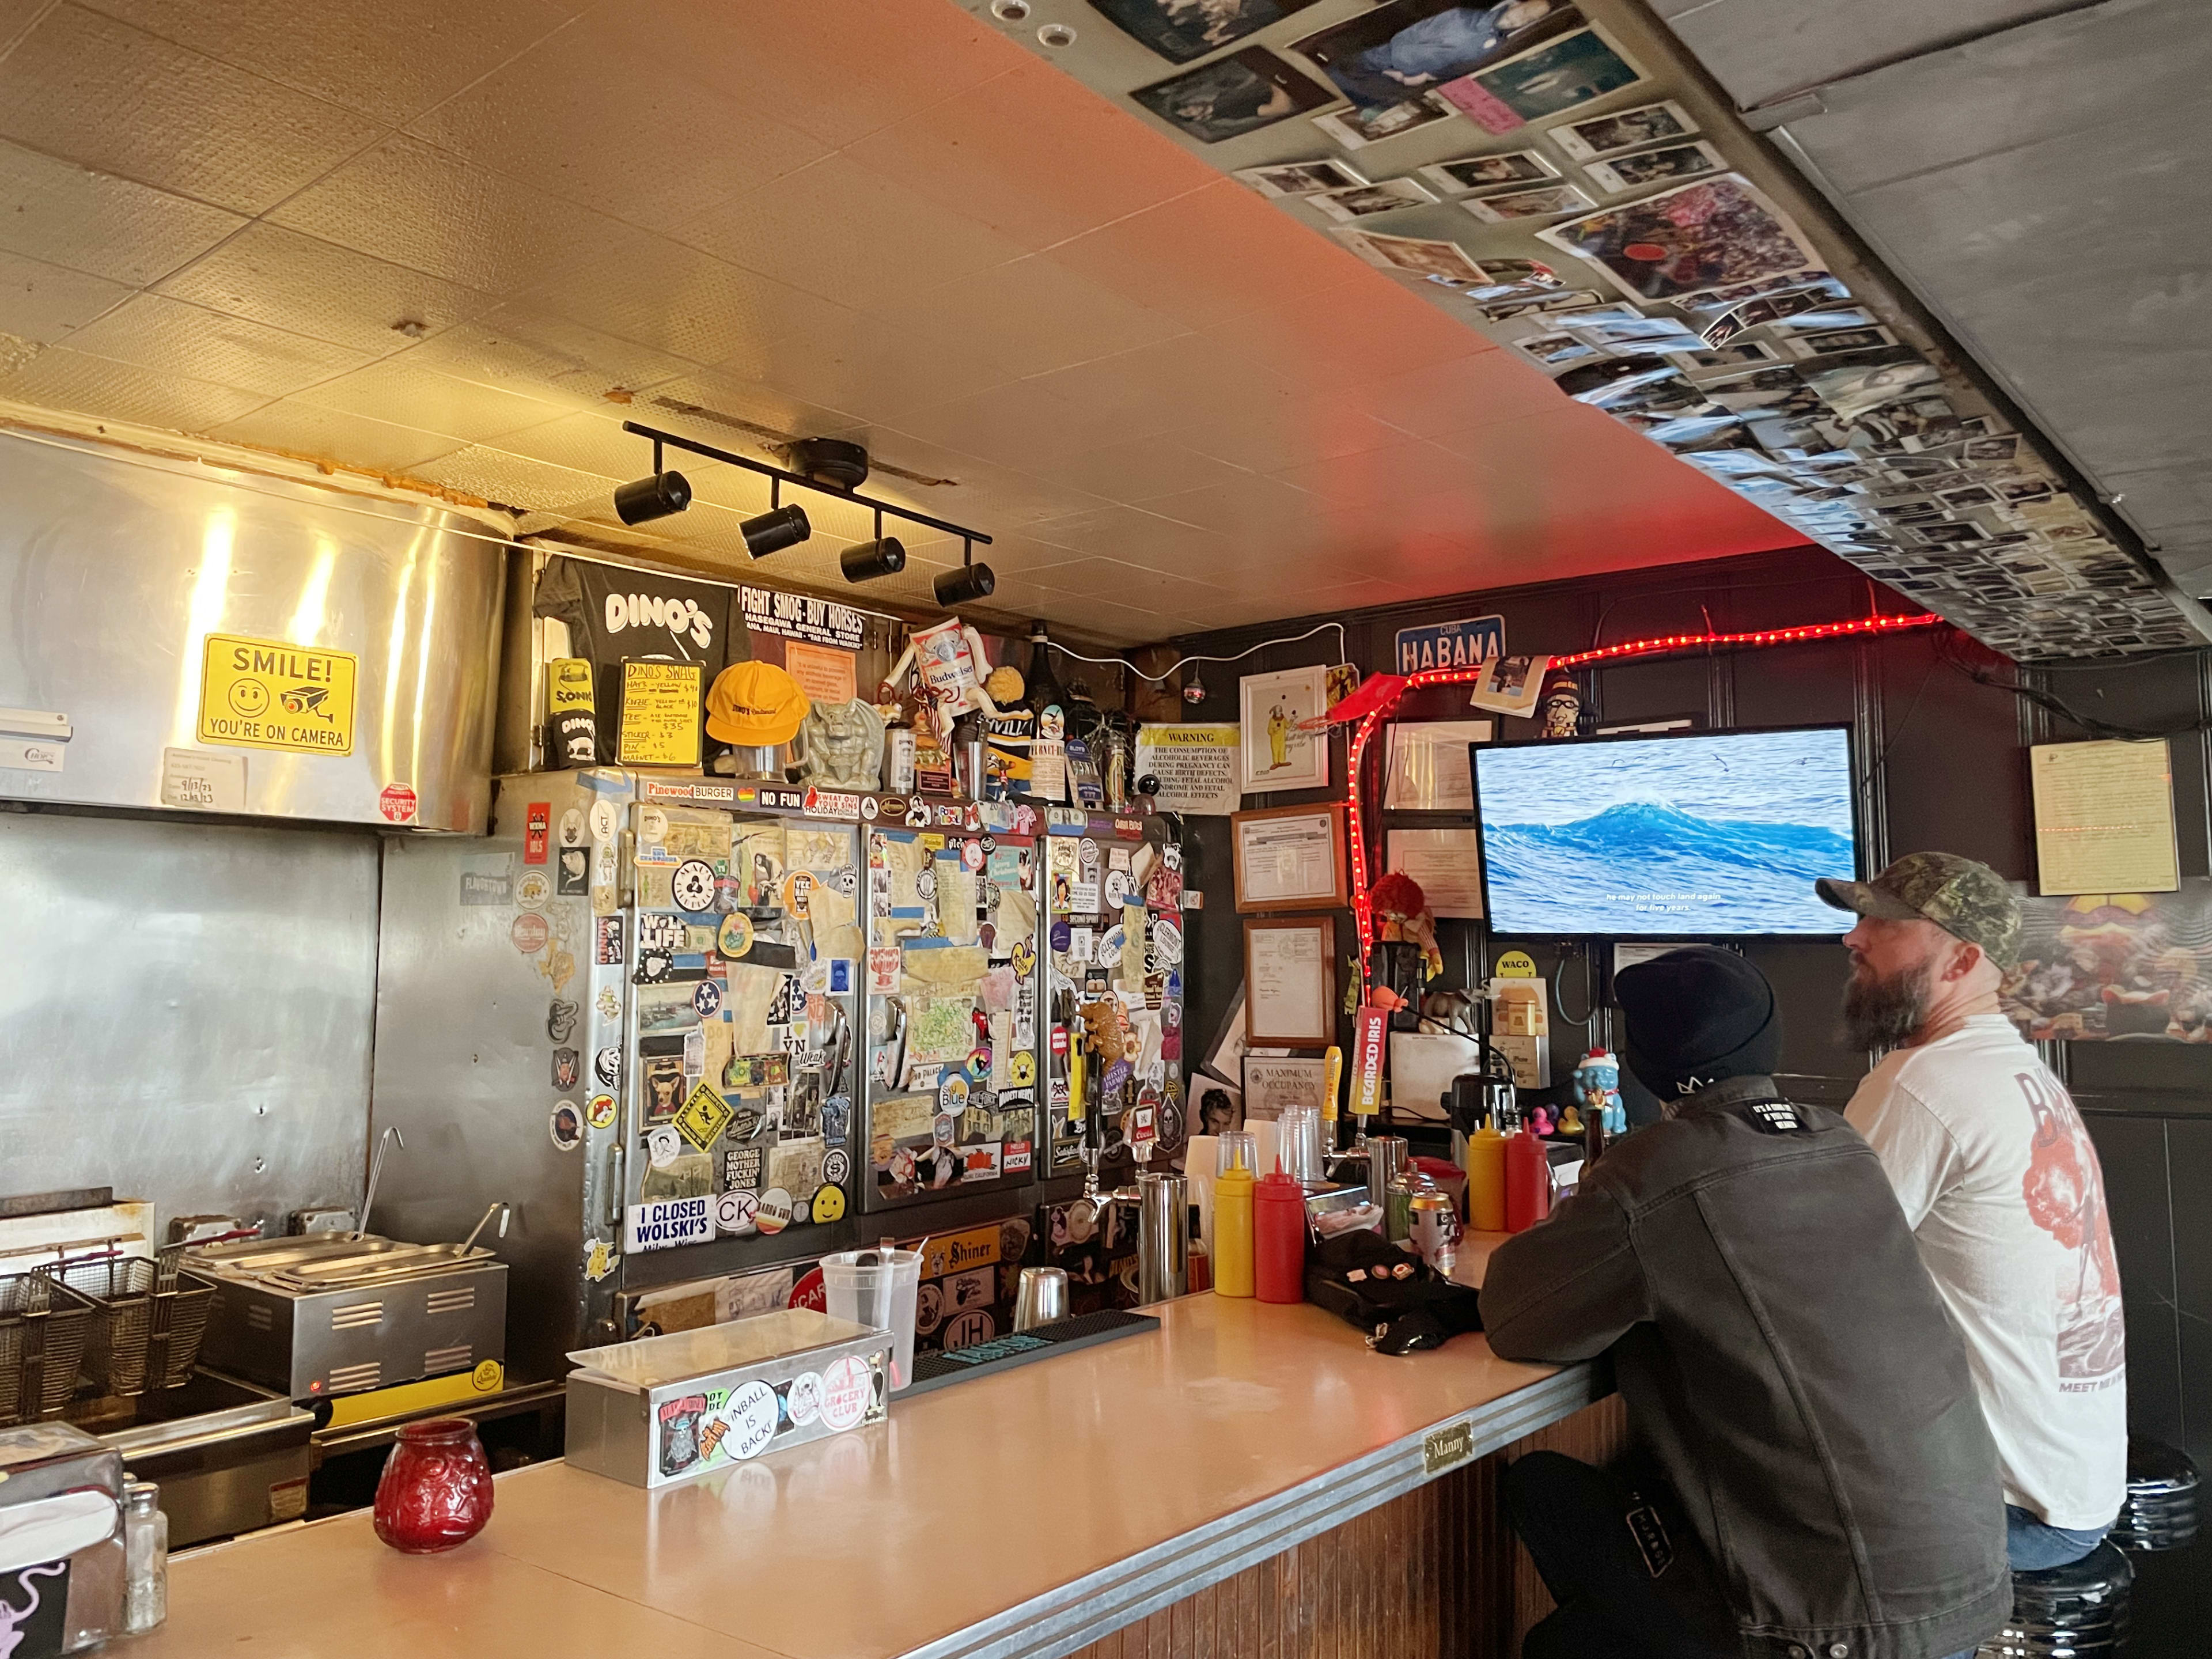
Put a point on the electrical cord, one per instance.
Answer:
(1590, 990)
(1343, 650)
(1948, 650)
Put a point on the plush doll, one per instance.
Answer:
(948, 659)
(1403, 911)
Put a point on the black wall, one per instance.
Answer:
(1943, 766)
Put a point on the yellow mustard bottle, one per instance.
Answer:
(1485, 1181)
(1232, 1214)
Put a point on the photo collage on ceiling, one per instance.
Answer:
(1650, 279)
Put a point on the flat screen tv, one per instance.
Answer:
(1691, 836)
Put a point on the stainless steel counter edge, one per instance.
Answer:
(1079, 1612)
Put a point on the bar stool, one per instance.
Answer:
(2160, 1513)
(2079, 1611)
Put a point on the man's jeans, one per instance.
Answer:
(2033, 1546)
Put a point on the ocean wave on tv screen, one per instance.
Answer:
(1639, 868)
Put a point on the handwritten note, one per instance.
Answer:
(2104, 817)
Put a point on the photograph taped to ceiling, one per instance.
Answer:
(1629, 129)
(1365, 201)
(1183, 32)
(1547, 203)
(1519, 166)
(1670, 166)
(1381, 56)
(1354, 129)
(1299, 177)
(1231, 96)
(1555, 77)
(1688, 240)
(1417, 256)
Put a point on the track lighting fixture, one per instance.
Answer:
(964, 586)
(774, 531)
(654, 497)
(864, 562)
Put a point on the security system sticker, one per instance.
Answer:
(847, 1391)
(269, 694)
(669, 1222)
(702, 1118)
(693, 886)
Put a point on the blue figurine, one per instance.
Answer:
(1597, 1088)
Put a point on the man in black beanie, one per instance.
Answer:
(1813, 1476)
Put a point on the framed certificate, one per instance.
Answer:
(1290, 982)
(1291, 858)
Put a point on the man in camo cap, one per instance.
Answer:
(2001, 1185)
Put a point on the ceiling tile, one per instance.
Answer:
(591, 114)
(1189, 379)
(586, 442)
(413, 205)
(333, 434)
(431, 401)
(1135, 537)
(1456, 396)
(388, 61)
(964, 488)
(1366, 329)
(1034, 157)
(1246, 506)
(1371, 476)
(1033, 316)
(1288, 432)
(58, 378)
(870, 369)
(731, 412)
(157, 332)
(838, 230)
(678, 299)
(115, 227)
(532, 352)
(1129, 584)
(1020, 425)
(119, 100)
(43, 302)
(1140, 469)
(512, 480)
(298, 282)
(17, 15)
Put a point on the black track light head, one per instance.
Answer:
(864, 562)
(772, 531)
(964, 586)
(654, 497)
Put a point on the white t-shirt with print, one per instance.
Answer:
(2002, 1189)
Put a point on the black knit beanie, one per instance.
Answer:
(1696, 1016)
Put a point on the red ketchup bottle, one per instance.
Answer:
(1278, 1238)
(1528, 1182)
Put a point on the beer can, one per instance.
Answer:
(898, 760)
(1432, 1229)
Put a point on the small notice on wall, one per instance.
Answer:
(825, 674)
(1196, 766)
(660, 704)
(2104, 817)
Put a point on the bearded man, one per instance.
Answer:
(2001, 1185)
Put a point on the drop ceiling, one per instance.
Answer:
(462, 244)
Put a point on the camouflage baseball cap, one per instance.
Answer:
(1965, 899)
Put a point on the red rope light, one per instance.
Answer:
(1363, 911)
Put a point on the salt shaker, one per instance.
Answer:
(146, 1556)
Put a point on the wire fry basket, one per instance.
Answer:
(44, 1326)
(148, 1322)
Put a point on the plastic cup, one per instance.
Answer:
(876, 1288)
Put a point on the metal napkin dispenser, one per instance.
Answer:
(669, 1408)
(328, 1314)
(63, 1572)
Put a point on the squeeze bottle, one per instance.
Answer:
(1485, 1181)
(1278, 1238)
(1232, 1217)
(1528, 1182)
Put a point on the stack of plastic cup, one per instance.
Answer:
(877, 1289)
(1300, 1142)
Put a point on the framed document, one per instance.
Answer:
(1428, 771)
(1270, 1084)
(1291, 858)
(2104, 817)
(1290, 982)
(1276, 754)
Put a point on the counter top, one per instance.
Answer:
(1024, 1513)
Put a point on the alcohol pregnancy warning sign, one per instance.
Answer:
(267, 693)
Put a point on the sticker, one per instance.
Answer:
(840, 976)
(572, 827)
(734, 1212)
(269, 694)
(928, 1309)
(979, 1063)
(975, 1326)
(599, 1259)
(883, 970)
(1087, 852)
(917, 816)
(606, 1065)
(662, 1146)
(530, 932)
(706, 998)
(561, 1020)
(538, 832)
(655, 966)
(828, 1204)
(775, 1211)
(567, 1068)
(531, 889)
(799, 892)
(1021, 1069)
(1516, 964)
(669, 1223)
(735, 936)
(1117, 888)
(651, 826)
(657, 932)
(702, 1118)
(608, 1004)
(604, 820)
(692, 886)
(1167, 941)
(1024, 959)
(1062, 936)
(847, 1389)
(572, 872)
(1018, 1156)
(599, 1112)
(952, 1095)
(397, 803)
(809, 1293)
(609, 953)
(869, 808)
(802, 1400)
(742, 1428)
(837, 1166)
(971, 854)
(566, 1127)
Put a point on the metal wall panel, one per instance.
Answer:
(117, 565)
(185, 1011)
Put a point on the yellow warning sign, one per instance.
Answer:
(703, 1117)
(1516, 964)
(269, 694)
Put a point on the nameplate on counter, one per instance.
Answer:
(1452, 1443)
(671, 1222)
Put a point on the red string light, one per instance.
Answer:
(1363, 911)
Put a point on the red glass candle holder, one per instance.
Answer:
(435, 1491)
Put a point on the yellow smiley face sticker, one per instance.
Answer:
(828, 1204)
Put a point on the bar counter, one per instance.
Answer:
(1246, 1479)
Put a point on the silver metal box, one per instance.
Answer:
(669, 1408)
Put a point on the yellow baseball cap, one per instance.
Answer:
(753, 704)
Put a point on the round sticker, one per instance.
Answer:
(971, 854)
(661, 1147)
(1167, 941)
(651, 826)
(1021, 1068)
(973, 1327)
(606, 1065)
(1117, 888)
(397, 803)
(928, 1308)
(775, 1211)
(1087, 852)
(751, 1417)
(572, 827)
(735, 937)
(1062, 935)
(1109, 948)
(734, 1212)
(604, 820)
(799, 892)
(925, 883)
(835, 1165)
(530, 932)
(566, 1127)
(802, 1401)
(952, 1093)
(979, 1063)
(600, 1113)
(692, 886)
(847, 1390)
(828, 1204)
(531, 889)
(869, 808)
(706, 998)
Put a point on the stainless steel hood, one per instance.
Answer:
(175, 634)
